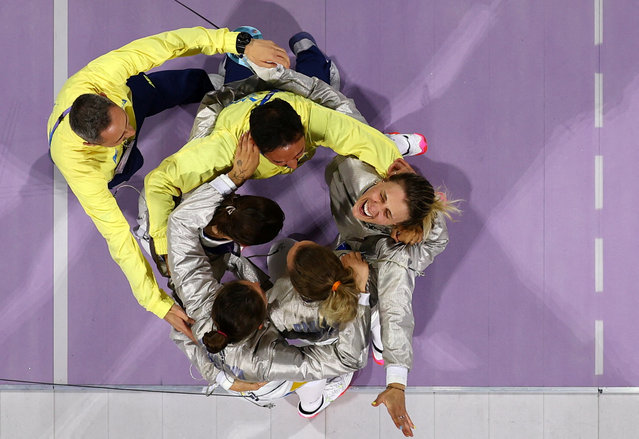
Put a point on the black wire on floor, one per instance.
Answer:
(199, 15)
(125, 389)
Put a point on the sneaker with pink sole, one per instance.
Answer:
(409, 144)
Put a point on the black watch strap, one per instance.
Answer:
(243, 39)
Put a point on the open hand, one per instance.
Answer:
(395, 401)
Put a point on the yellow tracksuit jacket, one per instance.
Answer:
(89, 168)
(205, 158)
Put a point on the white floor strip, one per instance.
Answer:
(60, 213)
(599, 347)
(598, 22)
(599, 285)
(598, 182)
(372, 390)
(598, 100)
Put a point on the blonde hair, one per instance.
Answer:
(424, 203)
(315, 271)
(440, 205)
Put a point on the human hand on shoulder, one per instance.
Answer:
(407, 234)
(180, 321)
(247, 158)
(399, 166)
(266, 53)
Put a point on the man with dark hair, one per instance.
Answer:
(95, 147)
(90, 115)
(275, 125)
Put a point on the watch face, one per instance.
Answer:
(243, 39)
(252, 32)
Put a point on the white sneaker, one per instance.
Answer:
(335, 387)
(409, 144)
(377, 354)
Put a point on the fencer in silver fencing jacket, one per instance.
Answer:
(291, 314)
(394, 266)
(199, 207)
(294, 317)
(223, 254)
(264, 356)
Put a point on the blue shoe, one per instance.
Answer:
(301, 41)
(256, 34)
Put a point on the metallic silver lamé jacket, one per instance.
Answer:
(266, 355)
(190, 265)
(394, 266)
(295, 318)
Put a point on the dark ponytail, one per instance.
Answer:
(238, 311)
(248, 219)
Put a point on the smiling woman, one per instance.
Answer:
(384, 204)
(365, 207)
(404, 200)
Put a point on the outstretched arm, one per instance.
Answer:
(102, 208)
(311, 88)
(146, 53)
(395, 288)
(347, 136)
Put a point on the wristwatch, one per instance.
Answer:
(243, 40)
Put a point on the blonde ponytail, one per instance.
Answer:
(317, 275)
(440, 205)
(340, 306)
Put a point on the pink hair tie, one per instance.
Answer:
(220, 332)
(335, 285)
(442, 196)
